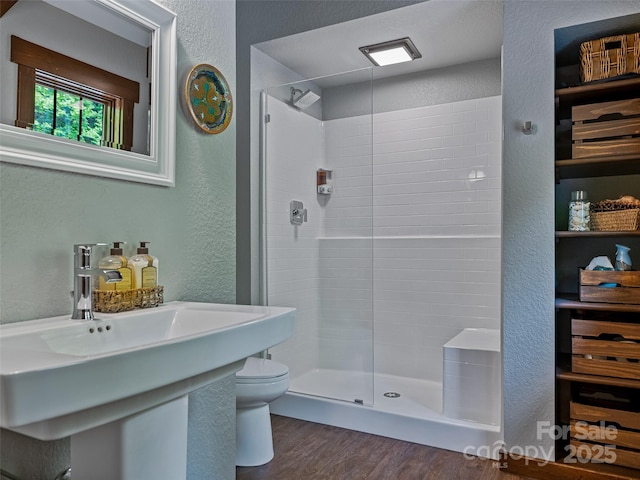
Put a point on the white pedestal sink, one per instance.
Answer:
(118, 385)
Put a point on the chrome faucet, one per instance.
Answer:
(83, 272)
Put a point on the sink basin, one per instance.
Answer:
(60, 376)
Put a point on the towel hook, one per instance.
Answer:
(528, 128)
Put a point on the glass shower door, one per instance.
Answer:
(317, 224)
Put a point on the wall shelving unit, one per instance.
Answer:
(597, 344)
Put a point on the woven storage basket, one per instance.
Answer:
(609, 57)
(111, 301)
(615, 221)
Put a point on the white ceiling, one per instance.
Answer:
(446, 32)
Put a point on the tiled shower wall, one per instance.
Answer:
(435, 218)
(435, 172)
(411, 239)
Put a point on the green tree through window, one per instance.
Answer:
(67, 115)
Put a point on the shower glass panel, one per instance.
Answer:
(317, 228)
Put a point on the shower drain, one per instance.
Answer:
(392, 394)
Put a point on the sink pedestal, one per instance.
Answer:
(151, 444)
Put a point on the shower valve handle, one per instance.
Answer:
(297, 213)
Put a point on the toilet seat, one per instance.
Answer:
(261, 370)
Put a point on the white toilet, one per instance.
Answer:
(260, 381)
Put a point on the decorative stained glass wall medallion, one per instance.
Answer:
(209, 98)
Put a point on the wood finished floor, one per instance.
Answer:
(308, 451)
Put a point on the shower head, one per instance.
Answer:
(302, 100)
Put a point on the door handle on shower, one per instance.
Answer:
(297, 212)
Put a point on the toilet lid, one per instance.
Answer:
(262, 368)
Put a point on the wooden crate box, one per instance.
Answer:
(606, 129)
(591, 287)
(592, 440)
(606, 348)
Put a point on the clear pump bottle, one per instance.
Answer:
(145, 268)
(116, 261)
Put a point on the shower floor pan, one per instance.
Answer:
(414, 416)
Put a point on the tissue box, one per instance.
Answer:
(626, 291)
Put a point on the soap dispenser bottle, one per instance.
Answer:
(145, 268)
(116, 261)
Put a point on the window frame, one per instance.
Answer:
(37, 63)
(83, 93)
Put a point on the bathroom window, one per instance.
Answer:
(64, 97)
(68, 112)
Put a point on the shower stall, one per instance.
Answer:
(380, 214)
(396, 261)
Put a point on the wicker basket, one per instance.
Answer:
(111, 301)
(148, 297)
(615, 221)
(610, 57)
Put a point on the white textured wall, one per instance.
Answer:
(528, 207)
(191, 228)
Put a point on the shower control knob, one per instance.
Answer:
(297, 212)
